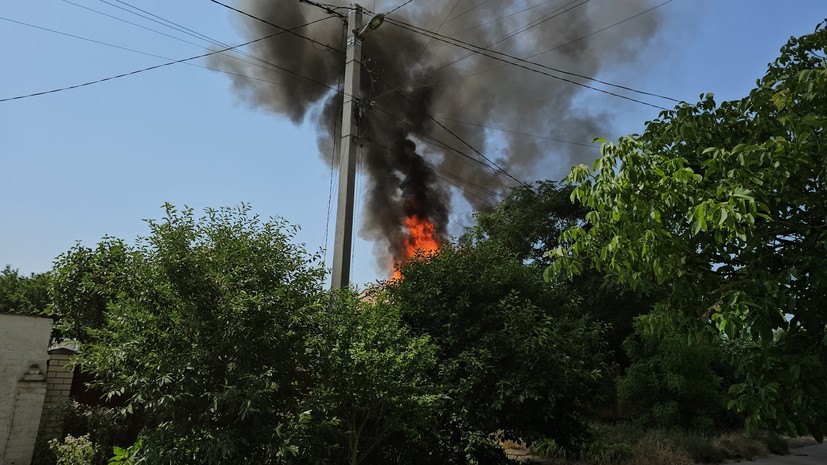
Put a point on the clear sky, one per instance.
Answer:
(95, 161)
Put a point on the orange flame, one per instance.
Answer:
(421, 237)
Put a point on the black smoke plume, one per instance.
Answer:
(409, 159)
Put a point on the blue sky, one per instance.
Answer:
(95, 161)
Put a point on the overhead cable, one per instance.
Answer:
(259, 62)
(170, 63)
(520, 133)
(289, 31)
(526, 64)
(497, 167)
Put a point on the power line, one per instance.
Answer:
(472, 9)
(554, 14)
(432, 140)
(551, 15)
(427, 44)
(170, 63)
(169, 23)
(522, 63)
(511, 131)
(456, 180)
(183, 29)
(576, 40)
(289, 31)
(489, 165)
(397, 8)
(336, 141)
(269, 81)
(130, 22)
(54, 31)
(604, 29)
(464, 30)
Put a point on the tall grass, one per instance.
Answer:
(625, 444)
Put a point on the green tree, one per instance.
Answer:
(721, 209)
(674, 381)
(371, 380)
(203, 333)
(24, 294)
(218, 335)
(528, 220)
(527, 223)
(513, 353)
(85, 281)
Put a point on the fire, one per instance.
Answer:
(421, 237)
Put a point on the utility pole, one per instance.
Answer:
(343, 240)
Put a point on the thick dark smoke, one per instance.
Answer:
(404, 155)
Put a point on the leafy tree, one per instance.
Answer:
(85, 281)
(721, 208)
(371, 380)
(203, 333)
(217, 334)
(674, 381)
(23, 294)
(512, 357)
(528, 222)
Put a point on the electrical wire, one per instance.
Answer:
(472, 9)
(245, 76)
(452, 178)
(557, 47)
(456, 136)
(436, 142)
(336, 148)
(603, 29)
(130, 22)
(170, 63)
(54, 31)
(397, 8)
(263, 64)
(523, 63)
(427, 44)
(511, 131)
(551, 15)
(289, 31)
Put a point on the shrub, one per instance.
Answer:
(776, 444)
(672, 381)
(73, 451)
(103, 425)
(512, 354)
(655, 449)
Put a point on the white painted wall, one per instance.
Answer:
(24, 341)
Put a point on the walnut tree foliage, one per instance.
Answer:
(722, 209)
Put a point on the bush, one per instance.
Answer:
(73, 451)
(629, 444)
(512, 356)
(102, 425)
(776, 444)
(655, 449)
(672, 381)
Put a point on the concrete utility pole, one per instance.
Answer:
(343, 240)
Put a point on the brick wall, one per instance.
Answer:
(58, 386)
(24, 341)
